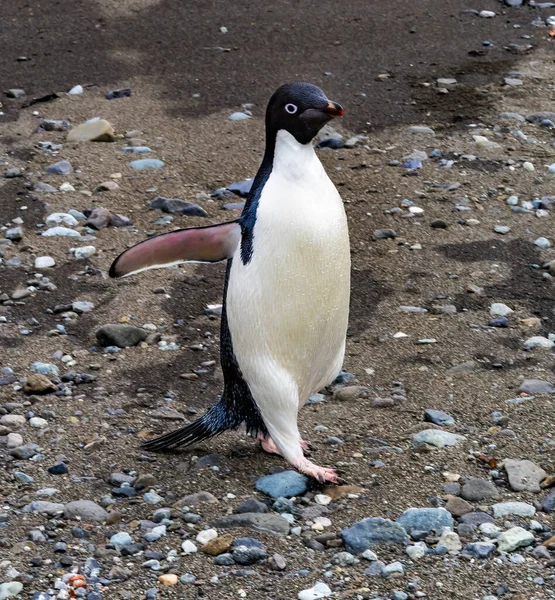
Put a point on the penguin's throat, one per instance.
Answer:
(292, 159)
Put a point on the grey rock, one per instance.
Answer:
(476, 518)
(548, 504)
(524, 475)
(43, 507)
(536, 386)
(437, 437)
(419, 129)
(372, 531)
(241, 188)
(63, 167)
(476, 490)
(521, 509)
(394, 568)
(87, 510)
(251, 505)
(259, 522)
(426, 519)
(384, 234)
(15, 93)
(514, 538)
(283, 485)
(146, 163)
(12, 173)
(537, 118)
(99, 218)
(53, 125)
(44, 188)
(15, 234)
(479, 549)
(465, 367)
(438, 417)
(375, 569)
(248, 555)
(178, 206)
(122, 336)
(60, 232)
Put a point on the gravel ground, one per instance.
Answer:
(453, 309)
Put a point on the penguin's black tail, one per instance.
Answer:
(217, 420)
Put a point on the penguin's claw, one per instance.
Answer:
(321, 474)
(267, 444)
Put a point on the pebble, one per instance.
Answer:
(188, 547)
(168, 579)
(384, 234)
(521, 509)
(15, 234)
(319, 590)
(38, 422)
(437, 437)
(44, 262)
(13, 588)
(118, 93)
(393, 569)
(371, 531)
(60, 232)
(143, 164)
(95, 130)
(84, 252)
(514, 538)
(238, 116)
(417, 551)
(59, 468)
(538, 341)
(438, 417)
(76, 90)
(420, 129)
(13, 420)
(477, 490)
(524, 475)
(497, 309)
(542, 243)
(63, 167)
(251, 505)
(248, 555)
(451, 541)
(259, 522)
(178, 206)
(426, 519)
(283, 485)
(86, 510)
(48, 369)
(206, 536)
(65, 218)
(479, 549)
(120, 335)
(548, 504)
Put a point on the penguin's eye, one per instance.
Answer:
(291, 109)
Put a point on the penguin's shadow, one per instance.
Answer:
(366, 293)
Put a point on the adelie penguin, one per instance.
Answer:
(287, 285)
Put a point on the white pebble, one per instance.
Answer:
(322, 499)
(528, 166)
(188, 547)
(38, 423)
(43, 262)
(206, 535)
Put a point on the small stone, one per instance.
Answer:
(60, 232)
(524, 475)
(13, 588)
(451, 541)
(218, 545)
(12, 173)
(320, 590)
(122, 336)
(439, 224)
(38, 423)
(168, 579)
(58, 469)
(99, 218)
(146, 163)
(87, 510)
(479, 549)
(197, 498)
(63, 167)
(497, 309)
(548, 504)
(44, 262)
(39, 384)
(417, 551)
(425, 519)
(97, 130)
(84, 252)
(536, 387)
(420, 129)
(521, 509)
(259, 522)
(15, 93)
(372, 531)
(514, 538)
(438, 417)
(542, 243)
(538, 341)
(65, 218)
(177, 206)
(238, 116)
(15, 234)
(251, 505)
(437, 437)
(283, 485)
(486, 14)
(76, 90)
(476, 490)
(107, 186)
(457, 506)
(393, 569)
(248, 555)
(13, 420)
(119, 93)
(206, 535)
(384, 234)
(188, 547)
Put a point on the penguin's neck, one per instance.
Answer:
(289, 158)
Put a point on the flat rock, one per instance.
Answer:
(438, 417)
(97, 130)
(476, 490)
(465, 367)
(426, 519)
(536, 386)
(99, 218)
(259, 522)
(437, 437)
(372, 531)
(283, 485)
(476, 518)
(62, 167)
(521, 509)
(524, 475)
(60, 232)
(178, 206)
(458, 506)
(514, 538)
(198, 498)
(319, 590)
(42, 506)
(122, 336)
(87, 510)
(241, 188)
(146, 163)
(548, 504)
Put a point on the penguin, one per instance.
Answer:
(287, 285)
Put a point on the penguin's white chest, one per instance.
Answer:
(288, 306)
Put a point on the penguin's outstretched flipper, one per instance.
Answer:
(195, 244)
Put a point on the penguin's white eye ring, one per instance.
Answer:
(291, 109)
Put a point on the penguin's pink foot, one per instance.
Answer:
(321, 474)
(269, 446)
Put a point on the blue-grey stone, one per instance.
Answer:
(63, 167)
(372, 531)
(189, 578)
(60, 232)
(146, 163)
(425, 519)
(476, 518)
(437, 437)
(224, 560)
(285, 484)
(438, 417)
(248, 555)
(375, 568)
(499, 322)
(136, 149)
(22, 477)
(282, 505)
(241, 188)
(548, 504)
(121, 539)
(479, 549)
(178, 206)
(58, 469)
(45, 369)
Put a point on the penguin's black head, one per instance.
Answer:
(302, 109)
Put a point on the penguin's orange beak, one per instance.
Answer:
(333, 109)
